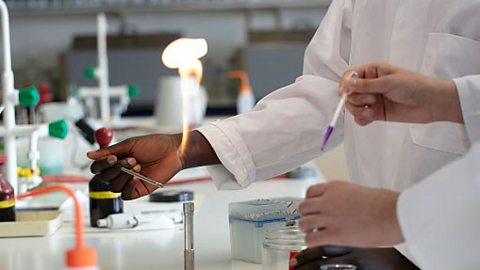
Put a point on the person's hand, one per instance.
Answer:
(362, 258)
(155, 156)
(384, 92)
(346, 214)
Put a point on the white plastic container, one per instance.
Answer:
(249, 220)
(169, 104)
(246, 98)
(245, 102)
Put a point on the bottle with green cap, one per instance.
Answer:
(132, 90)
(7, 196)
(89, 72)
(28, 96)
(58, 129)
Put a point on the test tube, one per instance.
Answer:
(189, 252)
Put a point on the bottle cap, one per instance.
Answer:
(89, 72)
(102, 223)
(28, 96)
(171, 196)
(103, 136)
(58, 129)
(81, 257)
(132, 90)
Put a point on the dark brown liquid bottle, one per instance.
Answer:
(103, 202)
(7, 196)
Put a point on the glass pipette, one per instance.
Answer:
(104, 137)
(141, 177)
(340, 106)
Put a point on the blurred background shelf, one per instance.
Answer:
(266, 38)
(32, 7)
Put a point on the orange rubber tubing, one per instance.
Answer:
(78, 210)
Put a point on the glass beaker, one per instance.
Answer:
(338, 267)
(280, 245)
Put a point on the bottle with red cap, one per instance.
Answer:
(7, 196)
(103, 202)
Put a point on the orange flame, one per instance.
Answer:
(184, 54)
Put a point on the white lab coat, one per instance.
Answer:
(439, 217)
(287, 127)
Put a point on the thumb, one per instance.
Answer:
(121, 149)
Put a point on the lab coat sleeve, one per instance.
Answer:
(286, 128)
(440, 218)
(469, 93)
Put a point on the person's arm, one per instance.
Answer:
(286, 128)
(156, 156)
(283, 132)
(384, 92)
(395, 94)
(438, 218)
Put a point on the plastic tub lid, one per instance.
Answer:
(265, 209)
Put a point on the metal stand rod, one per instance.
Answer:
(189, 252)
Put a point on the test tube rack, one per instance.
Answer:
(27, 97)
(104, 92)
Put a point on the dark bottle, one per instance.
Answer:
(103, 202)
(7, 196)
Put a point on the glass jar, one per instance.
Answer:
(280, 245)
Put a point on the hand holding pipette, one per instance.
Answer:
(104, 137)
(338, 110)
(396, 94)
(154, 156)
(157, 156)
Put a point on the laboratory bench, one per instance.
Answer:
(139, 248)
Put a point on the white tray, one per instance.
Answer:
(32, 223)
